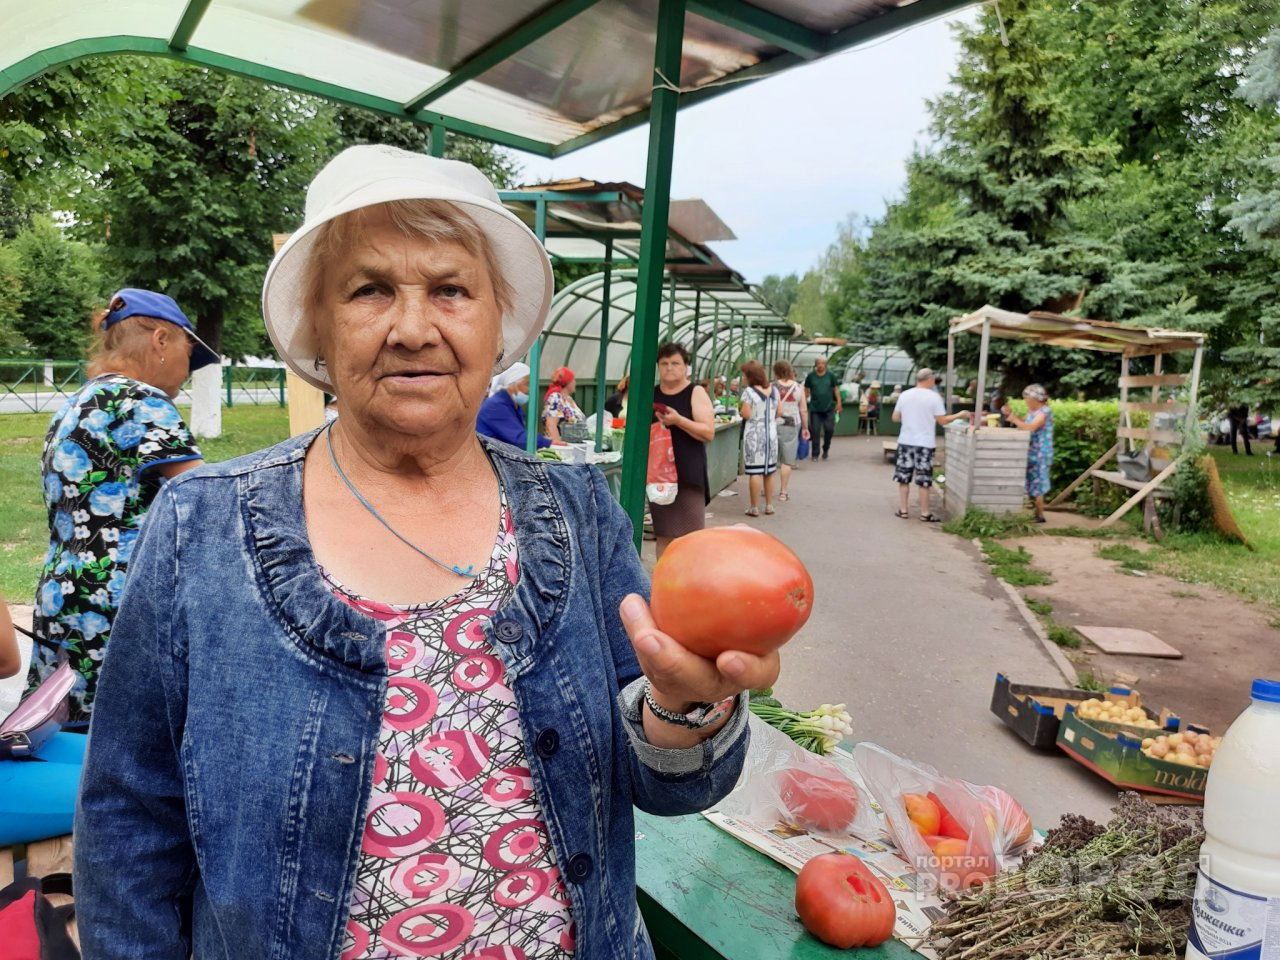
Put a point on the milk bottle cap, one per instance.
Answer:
(1268, 690)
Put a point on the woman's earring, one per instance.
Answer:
(498, 362)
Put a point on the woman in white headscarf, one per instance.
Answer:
(502, 415)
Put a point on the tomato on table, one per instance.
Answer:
(842, 903)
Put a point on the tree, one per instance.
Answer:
(780, 292)
(58, 288)
(1084, 167)
(206, 167)
(1249, 373)
(12, 343)
(809, 312)
(182, 175)
(356, 126)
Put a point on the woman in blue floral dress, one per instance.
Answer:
(108, 450)
(1039, 421)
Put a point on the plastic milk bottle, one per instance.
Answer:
(1236, 914)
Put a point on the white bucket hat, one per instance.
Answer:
(365, 176)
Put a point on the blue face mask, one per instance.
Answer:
(521, 399)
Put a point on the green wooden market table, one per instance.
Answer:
(706, 896)
(722, 461)
(723, 453)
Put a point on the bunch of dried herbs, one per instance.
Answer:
(1123, 890)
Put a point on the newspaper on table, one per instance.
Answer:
(755, 814)
(917, 905)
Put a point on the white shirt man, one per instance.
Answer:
(920, 410)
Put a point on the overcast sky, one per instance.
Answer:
(784, 161)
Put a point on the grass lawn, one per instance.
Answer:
(24, 531)
(1253, 490)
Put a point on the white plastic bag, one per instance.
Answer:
(960, 864)
(783, 781)
(663, 494)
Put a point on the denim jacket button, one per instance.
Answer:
(580, 866)
(547, 743)
(509, 631)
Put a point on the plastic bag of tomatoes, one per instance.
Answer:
(939, 824)
(783, 781)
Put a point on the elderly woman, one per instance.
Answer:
(559, 409)
(391, 689)
(502, 414)
(1039, 421)
(108, 450)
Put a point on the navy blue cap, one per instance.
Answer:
(1268, 690)
(132, 302)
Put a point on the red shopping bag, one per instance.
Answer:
(662, 456)
(661, 482)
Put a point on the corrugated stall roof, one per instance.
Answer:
(1055, 330)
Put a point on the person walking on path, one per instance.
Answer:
(688, 415)
(106, 454)
(920, 411)
(1039, 421)
(822, 391)
(793, 423)
(759, 409)
(1238, 418)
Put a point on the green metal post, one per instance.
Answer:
(602, 364)
(714, 371)
(671, 310)
(653, 249)
(280, 382)
(697, 315)
(226, 382)
(437, 138)
(534, 407)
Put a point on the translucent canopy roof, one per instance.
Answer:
(888, 364)
(547, 76)
(718, 318)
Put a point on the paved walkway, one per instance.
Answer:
(910, 629)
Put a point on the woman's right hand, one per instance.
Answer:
(678, 676)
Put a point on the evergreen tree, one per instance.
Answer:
(58, 289)
(1250, 367)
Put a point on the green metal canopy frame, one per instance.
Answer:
(721, 320)
(543, 76)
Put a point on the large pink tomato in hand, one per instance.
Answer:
(730, 588)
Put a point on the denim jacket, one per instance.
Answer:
(231, 757)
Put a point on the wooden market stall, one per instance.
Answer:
(982, 461)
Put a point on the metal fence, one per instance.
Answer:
(41, 386)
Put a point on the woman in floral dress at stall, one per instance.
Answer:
(1039, 421)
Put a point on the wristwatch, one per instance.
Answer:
(702, 715)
